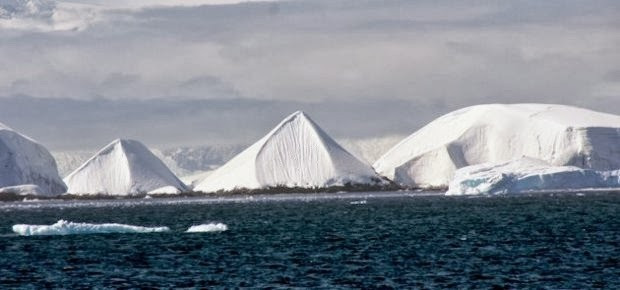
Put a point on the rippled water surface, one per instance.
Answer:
(561, 241)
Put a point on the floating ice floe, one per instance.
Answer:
(560, 135)
(63, 227)
(528, 175)
(207, 228)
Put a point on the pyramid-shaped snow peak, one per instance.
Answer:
(23, 161)
(296, 153)
(495, 133)
(123, 167)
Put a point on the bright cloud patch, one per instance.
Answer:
(51, 15)
(45, 15)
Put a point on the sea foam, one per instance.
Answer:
(63, 227)
(207, 228)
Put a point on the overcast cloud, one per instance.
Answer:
(407, 60)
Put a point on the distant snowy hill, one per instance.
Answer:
(181, 160)
(370, 149)
(123, 167)
(199, 158)
(70, 160)
(557, 134)
(26, 167)
(297, 152)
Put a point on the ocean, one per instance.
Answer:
(366, 240)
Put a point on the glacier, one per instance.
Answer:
(528, 175)
(207, 228)
(63, 227)
(296, 153)
(123, 167)
(23, 161)
(493, 133)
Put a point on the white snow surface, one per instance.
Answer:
(166, 190)
(24, 161)
(63, 227)
(295, 153)
(560, 135)
(528, 175)
(194, 163)
(194, 179)
(123, 167)
(208, 228)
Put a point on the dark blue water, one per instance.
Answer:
(562, 241)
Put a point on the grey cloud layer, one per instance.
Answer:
(64, 124)
(317, 50)
(427, 54)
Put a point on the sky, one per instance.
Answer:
(78, 74)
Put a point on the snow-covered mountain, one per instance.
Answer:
(369, 149)
(23, 161)
(199, 158)
(123, 167)
(295, 153)
(68, 161)
(557, 134)
(528, 175)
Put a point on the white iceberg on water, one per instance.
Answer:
(208, 228)
(63, 227)
(296, 153)
(528, 175)
(26, 167)
(124, 167)
(557, 134)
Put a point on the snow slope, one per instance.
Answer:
(123, 167)
(194, 179)
(558, 134)
(24, 161)
(63, 227)
(527, 175)
(295, 153)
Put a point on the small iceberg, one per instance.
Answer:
(63, 227)
(358, 202)
(208, 228)
(529, 175)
